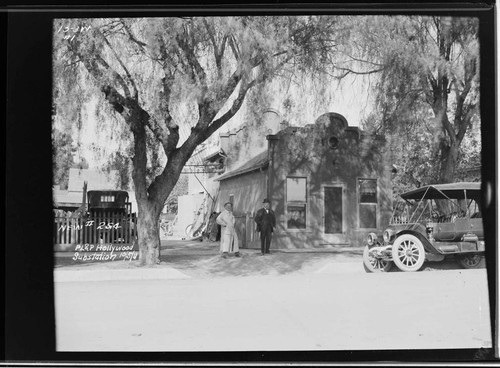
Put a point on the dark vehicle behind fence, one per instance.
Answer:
(112, 215)
(107, 219)
(431, 223)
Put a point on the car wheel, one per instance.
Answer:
(408, 253)
(372, 264)
(469, 260)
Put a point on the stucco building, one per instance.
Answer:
(329, 183)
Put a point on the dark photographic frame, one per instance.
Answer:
(29, 304)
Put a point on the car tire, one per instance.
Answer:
(408, 253)
(372, 264)
(469, 260)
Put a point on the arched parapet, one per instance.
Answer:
(336, 125)
(333, 121)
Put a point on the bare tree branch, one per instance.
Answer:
(234, 47)
(193, 62)
(127, 73)
(209, 107)
(350, 71)
(92, 63)
(115, 99)
(114, 73)
(361, 60)
(139, 161)
(132, 38)
(236, 105)
(217, 52)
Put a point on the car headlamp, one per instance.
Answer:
(372, 239)
(388, 235)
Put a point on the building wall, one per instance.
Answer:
(248, 140)
(332, 157)
(246, 192)
(328, 153)
(188, 207)
(194, 185)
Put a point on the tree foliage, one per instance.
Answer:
(62, 157)
(427, 92)
(155, 77)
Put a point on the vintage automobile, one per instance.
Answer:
(111, 214)
(431, 223)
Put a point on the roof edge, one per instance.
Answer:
(235, 173)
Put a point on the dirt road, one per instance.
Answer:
(446, 309)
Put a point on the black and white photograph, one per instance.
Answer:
(266, 184)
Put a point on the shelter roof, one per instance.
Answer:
(442, 191)
(256, 163)
(64, 198)
(214, 153)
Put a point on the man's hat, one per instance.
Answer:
(265, 201)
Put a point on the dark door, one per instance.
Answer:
(333, 210)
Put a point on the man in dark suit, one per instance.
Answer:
(266, 222)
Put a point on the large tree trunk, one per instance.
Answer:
(448, 162)
(151, 198)
(448, 145)
(148, 233)
(148, 208)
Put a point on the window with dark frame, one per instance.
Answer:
(107, 198)
(333, 142)
(296, 202)
(368, 202)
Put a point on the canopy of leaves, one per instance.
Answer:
(427, 94)
(186, 73)
(189, 73)
(62, 157)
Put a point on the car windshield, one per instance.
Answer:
(411, 211)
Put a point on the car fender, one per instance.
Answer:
(425, 242)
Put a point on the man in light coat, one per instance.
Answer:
(229, 237)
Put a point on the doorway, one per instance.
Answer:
(333, 204)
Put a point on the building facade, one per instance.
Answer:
(329, 184)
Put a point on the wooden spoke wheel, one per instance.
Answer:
(408, 253)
